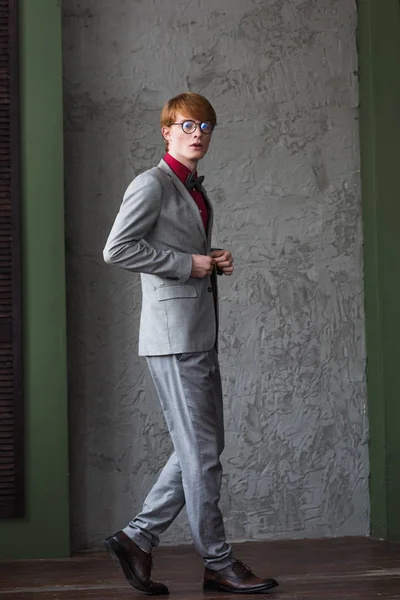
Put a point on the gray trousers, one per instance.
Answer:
(189, 389)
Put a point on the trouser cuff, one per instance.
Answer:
(137, 536)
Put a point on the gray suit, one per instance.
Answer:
(155, 232)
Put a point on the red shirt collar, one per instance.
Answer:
(178, 168)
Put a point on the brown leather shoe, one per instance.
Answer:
(136, 564)
(237, 579)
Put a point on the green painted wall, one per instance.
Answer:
(45, 530)
(379, 47)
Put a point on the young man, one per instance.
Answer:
(163, 231)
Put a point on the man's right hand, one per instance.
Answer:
(201, 266)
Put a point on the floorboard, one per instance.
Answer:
(345, 568)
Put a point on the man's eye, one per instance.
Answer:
(206, 127)
(188, 125)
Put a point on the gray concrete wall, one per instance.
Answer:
(283, 171)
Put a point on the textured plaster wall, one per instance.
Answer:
(283, 172)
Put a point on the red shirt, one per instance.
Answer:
(183, 173)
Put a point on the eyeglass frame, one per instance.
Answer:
(196, 125)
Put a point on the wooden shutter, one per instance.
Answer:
(11, 402)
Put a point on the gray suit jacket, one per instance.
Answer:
(157, 229)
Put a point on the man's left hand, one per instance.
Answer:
(223, 260)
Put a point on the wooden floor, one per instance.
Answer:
(345, 568)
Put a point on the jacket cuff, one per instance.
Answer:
(186, 268)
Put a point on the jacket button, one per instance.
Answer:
(210, 289)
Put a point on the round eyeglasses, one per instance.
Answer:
(191, 126)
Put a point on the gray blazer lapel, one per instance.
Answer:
(210, 214)
(187, 196)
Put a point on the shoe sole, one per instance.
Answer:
(117, 554)
(221, 588)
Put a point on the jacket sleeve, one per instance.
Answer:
(125, 246)
(219, 271)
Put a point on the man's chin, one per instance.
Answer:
(197, 153)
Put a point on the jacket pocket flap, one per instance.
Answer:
(168, 292)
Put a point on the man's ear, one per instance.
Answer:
(166, 133)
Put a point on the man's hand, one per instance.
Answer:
(223, 259)
(201, 266)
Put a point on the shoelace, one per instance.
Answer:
(148, 578)
(243, 570)
(151, 563)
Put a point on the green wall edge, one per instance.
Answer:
(379, 49)
(44, 533)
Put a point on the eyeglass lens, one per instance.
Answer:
(191, 126)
